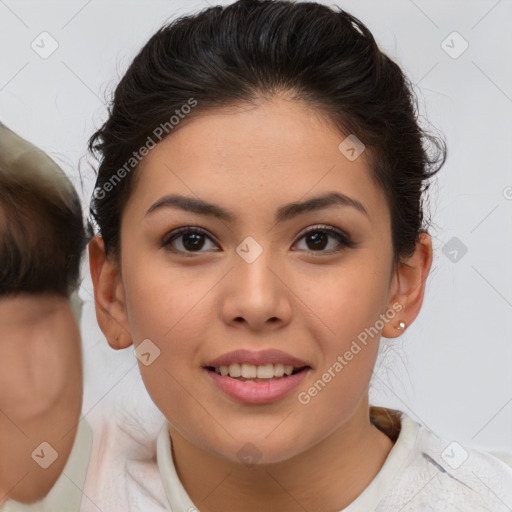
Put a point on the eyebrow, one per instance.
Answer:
(283, 213)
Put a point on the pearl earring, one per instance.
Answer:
(401, 326)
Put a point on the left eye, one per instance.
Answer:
(317, 239)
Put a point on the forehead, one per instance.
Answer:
(264, 154)
(25, 308)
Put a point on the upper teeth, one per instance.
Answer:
(251, 371)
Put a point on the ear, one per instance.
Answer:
(408, 286)
(108, 296)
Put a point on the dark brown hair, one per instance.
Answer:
(249, 51)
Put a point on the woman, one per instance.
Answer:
(260, 227)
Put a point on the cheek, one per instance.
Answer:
(346, 307)
(165, 304)
(347, 299)
(165, 309)
(169, 316)
(160, 296)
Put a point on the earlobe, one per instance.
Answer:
(108, 296)
(408, 286)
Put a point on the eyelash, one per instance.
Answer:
(344, 240)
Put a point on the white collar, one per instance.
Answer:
(367, 500)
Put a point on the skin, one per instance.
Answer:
(41, 391)
(306, 302)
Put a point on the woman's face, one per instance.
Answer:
(254, 280)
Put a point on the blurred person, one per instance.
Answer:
(42, 241)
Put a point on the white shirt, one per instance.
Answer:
(421, 473)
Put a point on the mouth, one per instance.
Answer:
(245, 372)
(256, 377)
(261, 383)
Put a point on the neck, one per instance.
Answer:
(328, 476)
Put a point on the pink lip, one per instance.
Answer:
(257, 392)
(257, 358)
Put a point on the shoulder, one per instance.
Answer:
(441, 474)
(506, 457)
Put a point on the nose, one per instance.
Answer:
(257, 294)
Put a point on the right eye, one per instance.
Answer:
(186, 240)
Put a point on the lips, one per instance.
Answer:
(257, 377)
(260, 358)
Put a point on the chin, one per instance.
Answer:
(258, 450)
